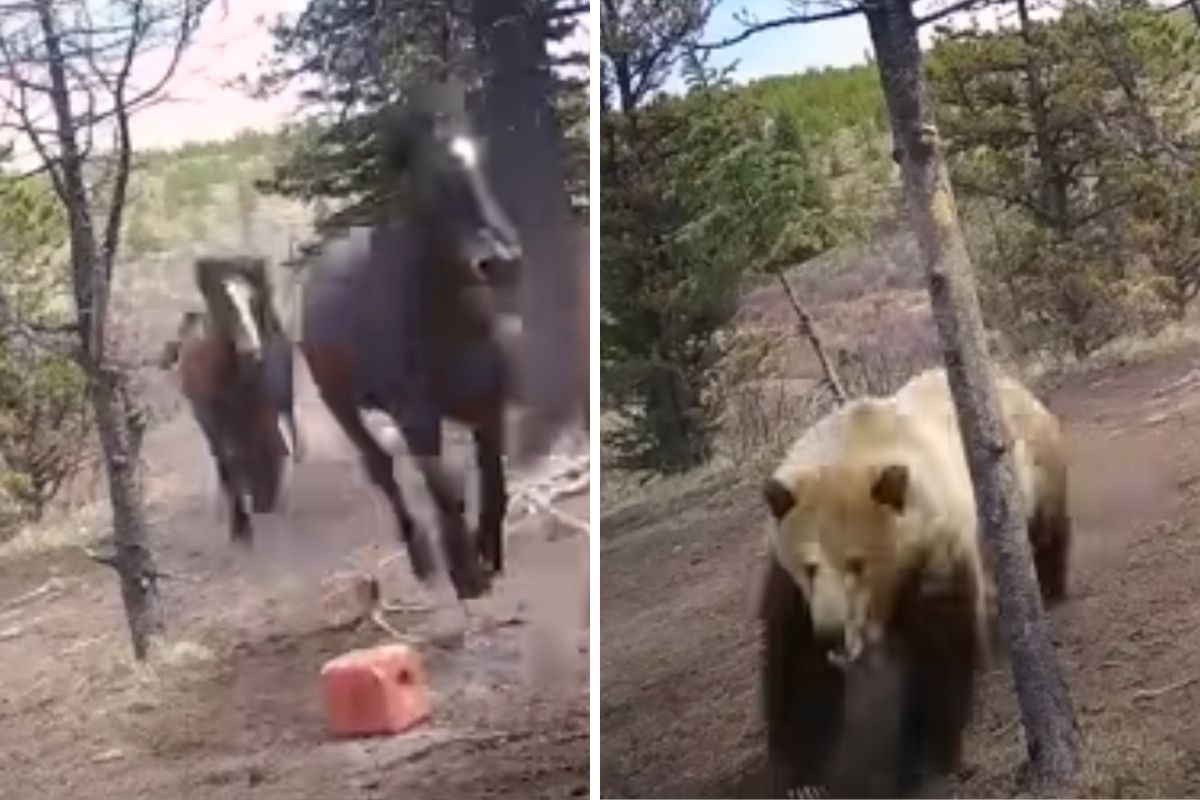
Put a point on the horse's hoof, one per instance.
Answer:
(420, 555)
(488, 561)
(471, 586)
(242, 535)
(490, 570)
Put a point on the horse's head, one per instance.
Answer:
(451, 196)
(234, 289)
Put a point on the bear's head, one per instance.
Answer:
(838, 531)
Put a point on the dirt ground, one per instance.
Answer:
(230, 706)
(679, 705)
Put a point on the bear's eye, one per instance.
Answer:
(856, 566)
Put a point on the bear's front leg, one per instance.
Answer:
(802, 692)
(938, 633)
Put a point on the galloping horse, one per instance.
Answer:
(235, 371)
(238, 295)
(407, 319)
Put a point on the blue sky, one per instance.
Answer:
(838, 43)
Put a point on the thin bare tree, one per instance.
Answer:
(807, 328)
(72, 72)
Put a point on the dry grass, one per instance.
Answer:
(1172, 340)
(168, 705)
(62, 528)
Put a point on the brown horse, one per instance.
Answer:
(223, 375)
(407, 319)
(238, 296)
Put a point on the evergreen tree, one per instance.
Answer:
(1075, 136)
(699, 192)
(355, 59)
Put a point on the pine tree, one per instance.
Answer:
(357, 58)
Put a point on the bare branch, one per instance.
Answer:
(116, 206)
(751, 29)
(20, 106)
(954, 8)
(808, 329)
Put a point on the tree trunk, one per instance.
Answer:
(526, 166)
(132, 560)
(1054, 184)
(89, 273)
(1052, 736)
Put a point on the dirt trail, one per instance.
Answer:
(232, 710)
(679, 706)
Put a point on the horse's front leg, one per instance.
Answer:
(291, 434)
(378, 463)
(240, 530)
(278, 365)
(424, 440)
(493, 500)
(297, 441)
(239, 520)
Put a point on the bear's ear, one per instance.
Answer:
(779, 499)
(891, 487)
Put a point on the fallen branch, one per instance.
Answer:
(364, 590)
(1149, 694)
(534, 503)
(540, 497)
(369, 592)
(376, 616)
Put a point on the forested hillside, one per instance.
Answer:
(1072, 141)
(1078, 203)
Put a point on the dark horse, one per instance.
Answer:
(238, 295)
(407, 319)
(235, 371)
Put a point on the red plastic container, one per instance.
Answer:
(381, 690)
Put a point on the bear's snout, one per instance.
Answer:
(841, 644)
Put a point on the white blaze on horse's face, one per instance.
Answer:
(506, 251)
(465, 150)
(240, 295)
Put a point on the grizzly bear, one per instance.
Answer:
(873, 549)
